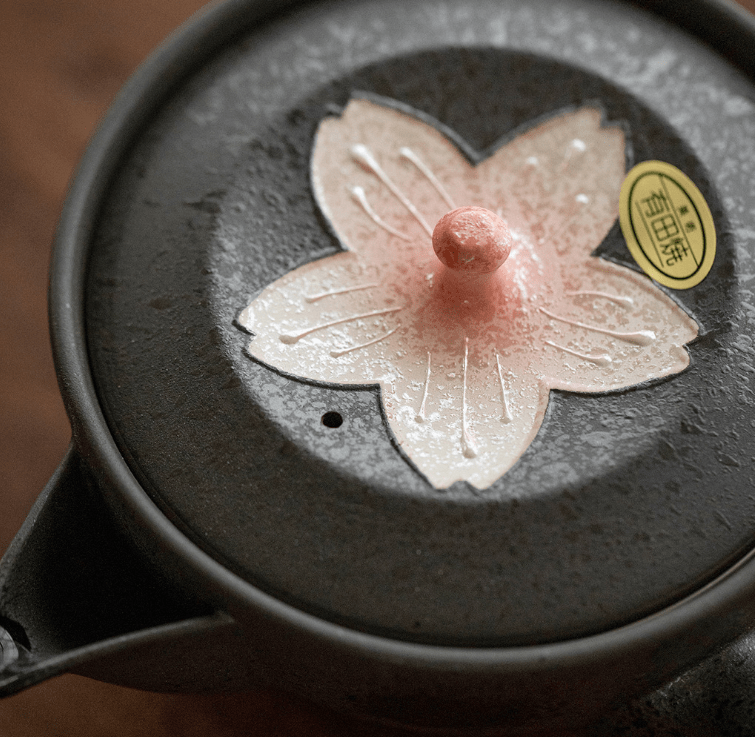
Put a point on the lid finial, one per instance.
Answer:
(472, 241)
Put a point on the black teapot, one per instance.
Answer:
(224, 518)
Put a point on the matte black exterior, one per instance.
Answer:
(516, 681)
(610, 504)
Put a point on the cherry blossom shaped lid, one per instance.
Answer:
(364, 324)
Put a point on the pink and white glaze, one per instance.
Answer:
(465, 367)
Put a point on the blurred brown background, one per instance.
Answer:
(61, 63)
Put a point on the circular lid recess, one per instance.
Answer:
(277, 354)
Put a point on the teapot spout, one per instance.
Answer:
(75, 598)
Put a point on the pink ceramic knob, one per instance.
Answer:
(472, 240)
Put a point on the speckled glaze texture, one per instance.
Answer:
(465, 367)
(622, 504)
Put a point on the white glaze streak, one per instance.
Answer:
(290, 339)
(338, 354)
(467, 443)
(420, 416)
(600, 360)
(362, 155)
(576, 146)
(626, 302)
(641, 337)
(358, 194)
(336, 292)
(409, 155)
(506, 414)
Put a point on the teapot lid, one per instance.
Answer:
(266, 343)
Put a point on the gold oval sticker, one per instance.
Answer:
(667, 225)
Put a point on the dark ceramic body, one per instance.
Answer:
(146, 597)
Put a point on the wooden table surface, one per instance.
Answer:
(61, 63)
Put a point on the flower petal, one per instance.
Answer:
(403, 168)
(464, 426)
(560, 181)
(323, 321)
(631, 331)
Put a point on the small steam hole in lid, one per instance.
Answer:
(332, 419)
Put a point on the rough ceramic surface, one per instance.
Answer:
(623, 503)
